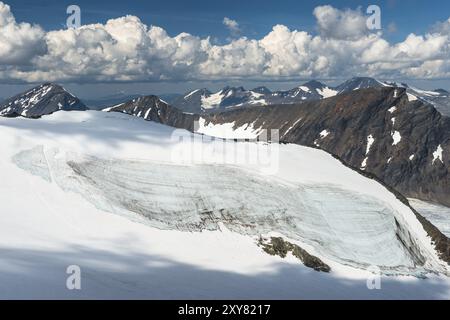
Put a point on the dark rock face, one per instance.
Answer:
(410, 150)
(42, 100)
(152, 108)
(280, 247)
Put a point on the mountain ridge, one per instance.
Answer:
(42, 100)
(204, 101)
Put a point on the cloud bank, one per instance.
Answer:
(125, 49)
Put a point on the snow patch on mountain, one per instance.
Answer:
(364, 163)
(324, 133)
(190, 94)
(293, 126)
(327, 92)
(228, 130)
(304, 88)
(212, 101)
(392, 109)
(370, 141)
(437, 154)
(411, 97)
(396, 136)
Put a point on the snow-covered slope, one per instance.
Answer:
(42, 100)
(437, 214)
(115, 195)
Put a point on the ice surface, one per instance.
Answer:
(33, 161)
(351, 228)
(50, 218)
(437, 214)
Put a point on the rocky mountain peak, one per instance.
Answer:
(44, 99)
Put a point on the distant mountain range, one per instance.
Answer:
(204, 101)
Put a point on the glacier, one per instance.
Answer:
(348, 227)
(104, 191)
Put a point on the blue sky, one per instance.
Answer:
(205, 19)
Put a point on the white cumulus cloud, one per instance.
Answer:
(126, 49)
(340, 24)
(232, 25)
(19, 42)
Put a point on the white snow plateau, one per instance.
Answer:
(108, 193)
